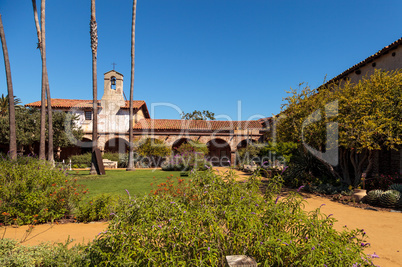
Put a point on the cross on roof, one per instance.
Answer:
(114, 65)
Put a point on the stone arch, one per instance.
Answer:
(116, 145)
(244, 143)
(82, 147)
(219, 152)
(244, 158)
(86, 145)
(178, 142)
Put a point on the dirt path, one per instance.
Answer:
(80, 232)
(383, 228)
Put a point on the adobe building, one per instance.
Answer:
(223, 138)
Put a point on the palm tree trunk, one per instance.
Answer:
(50, 151)
(94, 47)
(42, 142)
(49, 103)
(11, 109)
(130, 166)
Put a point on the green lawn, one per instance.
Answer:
(115, 182)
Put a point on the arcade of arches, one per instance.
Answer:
(222, 149)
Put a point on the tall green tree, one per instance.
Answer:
(48, 98)
(4, 104)
(368, 117)
(130, 166)
(28, 131)
(11, 109)
(94, 48)
(42, 142)
(198, 115)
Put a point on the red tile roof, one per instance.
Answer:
(79, 103)
(162, 124)
(370, 59)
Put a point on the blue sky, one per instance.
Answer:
(197, 54)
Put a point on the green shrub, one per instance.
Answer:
(81, 161)
(248, 154)
(282, 151)
(193, 146)
(304, 168)
(84, 160)
(97, 208)
(32, 191)
(13, 254)
(152, 152)
(216, 216)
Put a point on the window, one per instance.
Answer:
(88, 115)
(113, 83)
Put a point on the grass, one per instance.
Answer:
(115, 182)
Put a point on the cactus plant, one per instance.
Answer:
(373, 197)
(397, 187)
(390, 198)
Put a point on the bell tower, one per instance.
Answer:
(113, 88)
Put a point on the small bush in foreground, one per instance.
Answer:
(217, 216)
(97, 208)
(14, 254)
(32, 191)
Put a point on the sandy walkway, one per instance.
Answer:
(383, 228)
(80, 232)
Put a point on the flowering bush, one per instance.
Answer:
(216, 216)
(32, 191)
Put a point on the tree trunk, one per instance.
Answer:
(94, 47)
(50, 151)
(42, 142)
(344, 162)
(358, 159)
(11, 109)
(49, 103)
(130, 166)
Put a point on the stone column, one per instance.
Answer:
(233, 158)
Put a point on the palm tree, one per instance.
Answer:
(11, 110)
(4, 100)
(42, 140)
(94, 47)
(130, 166)
(49, 104)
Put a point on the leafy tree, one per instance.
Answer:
(198, 115)
(61, 120)
(153, 148)
(4, 100)
(193, 147)
(11, 109)
(368, 116)
(28, 130)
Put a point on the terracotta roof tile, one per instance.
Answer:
(163, 124)
(79, 103)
